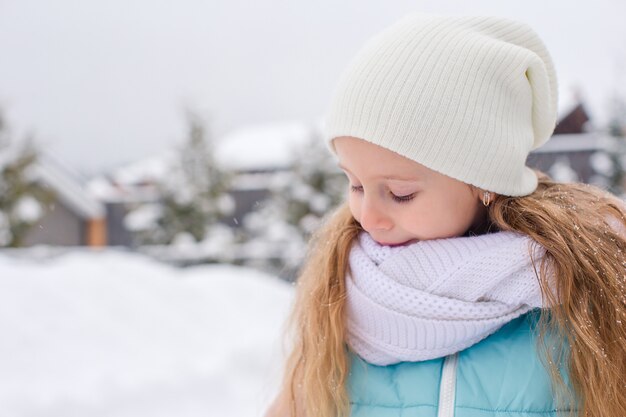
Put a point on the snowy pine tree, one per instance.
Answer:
(282, 224)
(22, 199)
(193, 195)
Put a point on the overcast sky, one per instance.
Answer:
(101, 83)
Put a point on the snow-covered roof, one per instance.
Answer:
(67, 187)
(147, 170)
(576, 143)
(266, 147)
(269, 146)
(134, 181)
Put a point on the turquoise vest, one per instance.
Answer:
(500, 376)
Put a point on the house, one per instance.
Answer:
(126, 188)
(256, 156)
(259, 156)
(75, 218)
(576, 151)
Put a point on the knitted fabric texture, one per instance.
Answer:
(432, 298)
(467, 96)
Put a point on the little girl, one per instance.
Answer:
(456, 281)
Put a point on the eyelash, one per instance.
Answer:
(398, 199)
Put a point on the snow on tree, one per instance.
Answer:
(22, 198)
(282, 224)
(193, 196)
(562, 170)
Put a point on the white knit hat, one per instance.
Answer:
(467, 96)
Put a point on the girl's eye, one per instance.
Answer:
(399, 199)
(404, 198)
(356, 188)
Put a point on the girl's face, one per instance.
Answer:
(398, 201)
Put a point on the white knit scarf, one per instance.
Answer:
(432, 298)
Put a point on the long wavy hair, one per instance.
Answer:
(583, 230)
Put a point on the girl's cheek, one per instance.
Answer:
(354, 206)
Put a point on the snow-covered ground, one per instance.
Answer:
(117, 334)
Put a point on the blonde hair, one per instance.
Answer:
(578, 225)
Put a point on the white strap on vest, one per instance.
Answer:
(447, 387)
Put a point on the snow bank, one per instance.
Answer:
(117, 334)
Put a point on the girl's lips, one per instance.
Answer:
(408, 242)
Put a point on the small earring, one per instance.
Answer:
(486, 198)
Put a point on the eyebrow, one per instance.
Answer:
(387, 177)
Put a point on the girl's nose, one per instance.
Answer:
(373, 217)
